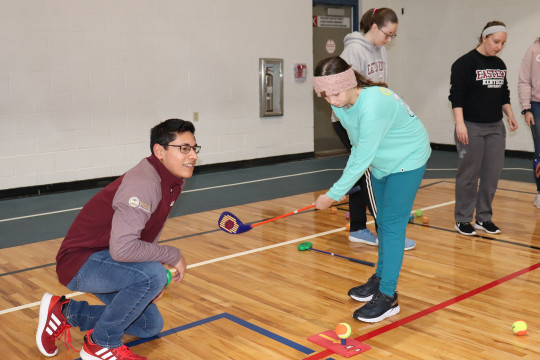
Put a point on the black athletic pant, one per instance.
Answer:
(360, 199)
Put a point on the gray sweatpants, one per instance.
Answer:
(482, 159)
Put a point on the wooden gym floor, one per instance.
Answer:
(256, 296)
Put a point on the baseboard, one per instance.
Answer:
(327, 153)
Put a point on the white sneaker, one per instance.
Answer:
(537, 201)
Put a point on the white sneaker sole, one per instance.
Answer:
(86, 356)
(367, 242)
(410, 247)
(391, 312)
(363, 299)
(43, 312)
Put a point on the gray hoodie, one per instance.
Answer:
(366, 58)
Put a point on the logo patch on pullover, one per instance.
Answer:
(136, 203)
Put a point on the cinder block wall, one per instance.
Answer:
(82, 82)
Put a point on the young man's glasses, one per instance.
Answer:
(388, 36)
(185, 149)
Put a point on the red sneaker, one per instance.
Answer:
(52, 324)
(91, 351)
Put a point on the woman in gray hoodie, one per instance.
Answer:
(365, 51)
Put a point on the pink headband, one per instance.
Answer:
(334, 84)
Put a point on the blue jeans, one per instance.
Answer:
(394, 195)
(535, 129)
(126, 289)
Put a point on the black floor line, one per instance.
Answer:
(27, 269)
(433, 183)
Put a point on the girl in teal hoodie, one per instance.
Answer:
(387, 137)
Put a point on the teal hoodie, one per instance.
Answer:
(385, 134)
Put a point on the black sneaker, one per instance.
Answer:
(487, 226)
(365, 292)
(465, 228)
(378, 308)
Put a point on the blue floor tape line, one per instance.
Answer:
(269, 334)
(232, 318)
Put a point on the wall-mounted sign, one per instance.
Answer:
(331, 21)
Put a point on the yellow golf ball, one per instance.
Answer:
(519, 327)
